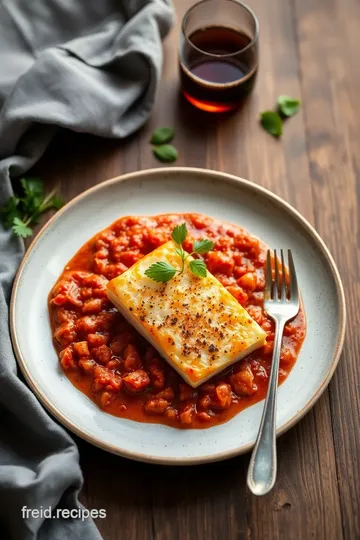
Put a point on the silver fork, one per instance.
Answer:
(281, 303)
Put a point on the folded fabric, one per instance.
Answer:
(90, 66)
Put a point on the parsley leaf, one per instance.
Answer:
(20, 228)
(10, 211)
(160, 271)
(162, 135)
(203, 246)
(198, 267)
(272, 123)
(288, 106)
(32, 187)
(179, 233)
(25, 209)
(57, 202)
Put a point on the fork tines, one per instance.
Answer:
(280, 282)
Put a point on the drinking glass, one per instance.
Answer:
(218, 54)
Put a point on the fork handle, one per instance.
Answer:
(262, 468)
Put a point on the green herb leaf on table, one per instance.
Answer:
(10, 211)
(179, 233)
(198, 267)
(20, 228)
(272, 123)
(161, 271)
(24, 210)
(32, 187)
(57, 202)
(51, 201)
(203, 246)
(288, 106)
(165, 153)
(162, 135)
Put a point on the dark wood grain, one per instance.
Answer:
(330, 84)
(309, 49)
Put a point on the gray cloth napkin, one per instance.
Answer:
(91, 66)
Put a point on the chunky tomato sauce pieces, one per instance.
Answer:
(113, 365)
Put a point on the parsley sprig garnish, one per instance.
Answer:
(23, 211)
(162, 271)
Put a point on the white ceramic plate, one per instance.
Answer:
(176, 190)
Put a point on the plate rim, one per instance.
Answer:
(138, 456)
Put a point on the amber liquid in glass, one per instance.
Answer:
(217, 84)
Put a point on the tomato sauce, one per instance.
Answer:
(106, 358)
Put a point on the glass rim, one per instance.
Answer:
(226, 55)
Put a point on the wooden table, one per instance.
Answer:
(309, 49)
